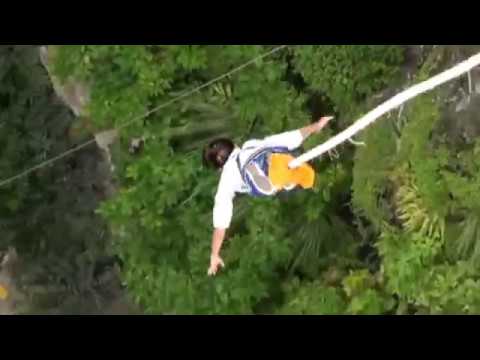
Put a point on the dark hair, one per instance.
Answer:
(217, 152)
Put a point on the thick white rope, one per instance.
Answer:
(389, 105)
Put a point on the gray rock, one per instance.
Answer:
(75, 94)
(463, 103)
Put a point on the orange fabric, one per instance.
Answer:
(3, 293)
(282, 176)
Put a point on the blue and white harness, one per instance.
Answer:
(259, 159)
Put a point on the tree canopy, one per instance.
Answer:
(390, 227)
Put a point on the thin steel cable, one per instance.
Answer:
(161, 106)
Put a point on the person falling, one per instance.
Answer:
(258, 168)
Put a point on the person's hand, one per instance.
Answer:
(320, 124)
(215, 262)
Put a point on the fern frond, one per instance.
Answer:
(411, 211)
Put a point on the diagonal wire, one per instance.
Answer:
(140, 117)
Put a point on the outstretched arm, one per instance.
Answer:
(294, 138)
(222, 216)
(215, 259)
(315, 128)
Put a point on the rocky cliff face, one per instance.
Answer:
(76, 274)
(75, 94)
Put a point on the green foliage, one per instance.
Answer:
(426, 161)
(414, 272)
(369, 302)
(365, 299)
(320, 236)
(163, 179)
(465, 184)
(466, 242)
(411, 211)
(357, 282)
(405, 260)
(47, 215)
(428, 254)
(312, 298)
(393, 159)
(372, 163)
(451, 289)
(348, 73)
(357, 297)
(464, 239)
(171, 276)
(405, 181)
(130, 75)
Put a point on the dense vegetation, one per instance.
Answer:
(48, 217)
(390, 227)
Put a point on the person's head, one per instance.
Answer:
(217, 152)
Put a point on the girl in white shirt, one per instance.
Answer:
(258, 168)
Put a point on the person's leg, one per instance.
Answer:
(262, 182)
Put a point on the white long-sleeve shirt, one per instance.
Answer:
(231, 181)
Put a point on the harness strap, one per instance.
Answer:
(252, 157)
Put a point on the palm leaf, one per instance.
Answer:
(467, 245)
